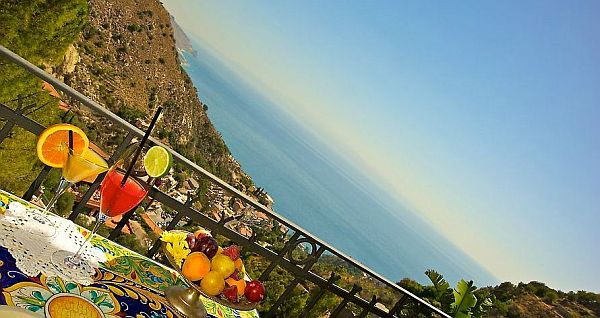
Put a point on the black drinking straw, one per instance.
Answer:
(139, 150)
(70, 141)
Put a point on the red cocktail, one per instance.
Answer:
(116, 199)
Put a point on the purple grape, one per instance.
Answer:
(191, 240)
(206, 245)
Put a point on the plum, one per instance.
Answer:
(207, 245)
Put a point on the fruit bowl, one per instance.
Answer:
(243, 303)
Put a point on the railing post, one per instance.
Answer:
(9, 123)
(398, 306)
(35, 185)
(20, 120)
(6, 129)
(355, 289)
(313, 301)
(372, 304)
(288, 290)
(276, 261)
(312, 259)
(124, 219)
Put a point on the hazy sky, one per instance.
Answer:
(484, 117)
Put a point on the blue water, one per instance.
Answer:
(316, 188)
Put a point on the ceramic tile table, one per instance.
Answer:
(127, 285)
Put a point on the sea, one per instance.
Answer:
(319, 189)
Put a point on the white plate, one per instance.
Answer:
(16, 312)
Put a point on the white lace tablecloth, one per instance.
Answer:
(32, 243)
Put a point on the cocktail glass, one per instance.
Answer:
(77, 167)
(116, 198)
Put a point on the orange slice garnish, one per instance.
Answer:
(53, 144)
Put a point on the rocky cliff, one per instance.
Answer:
(126, 59)
(181, 39)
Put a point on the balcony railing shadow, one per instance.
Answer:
(301, 271)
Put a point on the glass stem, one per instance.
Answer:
(63, 185)
(99, 220)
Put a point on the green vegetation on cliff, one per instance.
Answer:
(40, 31)
(533, 299)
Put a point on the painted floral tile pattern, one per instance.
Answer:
(127, 285)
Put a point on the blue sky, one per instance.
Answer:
(483, 117)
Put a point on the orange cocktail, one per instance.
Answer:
(80, 167)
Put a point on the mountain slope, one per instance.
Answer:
(181, 39)
(127, 61)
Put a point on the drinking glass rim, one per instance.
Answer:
(69, 153)
(137, 180)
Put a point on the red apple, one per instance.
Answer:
(255, 291)
(231, 294)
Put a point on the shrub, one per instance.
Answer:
(134, 28)
(89, 31)
(550, 297)
(97, 70)
(130, 113)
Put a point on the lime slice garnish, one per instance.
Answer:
(157, 162)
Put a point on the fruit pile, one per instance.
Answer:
(218, 271)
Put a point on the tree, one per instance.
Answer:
(550, 297)
(40, 31)
(460, 302)
(464, 299)
(411, 285)
(442, 290)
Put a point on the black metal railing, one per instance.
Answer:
(301, 267)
